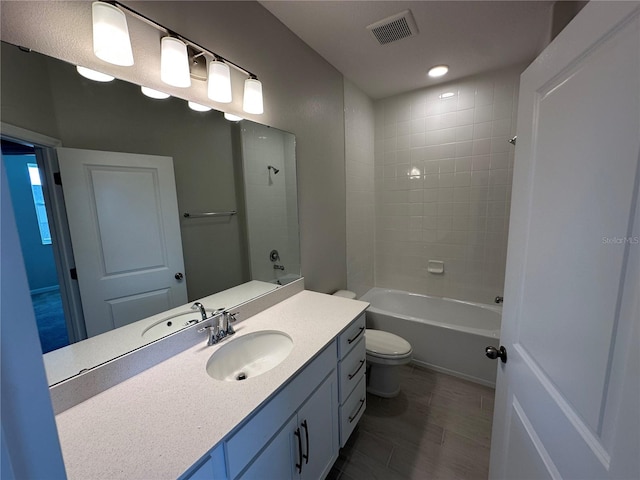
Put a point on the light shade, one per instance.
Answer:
(111, 41)
(252, 101)
(219, 82)
(174, 63)
(231, 117)
(198, 107)
(438, 70)
(151, 93)
(93, 75)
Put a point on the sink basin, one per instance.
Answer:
(170, 324)
(249, 356)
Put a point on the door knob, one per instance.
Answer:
(179, 276)
(493, 353)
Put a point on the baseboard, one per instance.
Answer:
(45, 289)
(453, 373)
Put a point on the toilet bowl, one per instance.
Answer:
(385, 352)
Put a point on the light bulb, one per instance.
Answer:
(438, 71)
(232, 118)
(111, 41)
(174, 63)
(219, 83)
(151, 93)
(93, 75)
(198, 107)
(252, 101)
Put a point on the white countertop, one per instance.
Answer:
(157, 424)
(68, 361)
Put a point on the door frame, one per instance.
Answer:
(47, 161)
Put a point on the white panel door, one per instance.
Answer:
(567, 399)
(125, 230)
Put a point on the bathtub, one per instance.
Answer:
(446, 335)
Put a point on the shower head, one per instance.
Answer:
(275, 170)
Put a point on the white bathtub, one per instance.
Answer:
(446, 335)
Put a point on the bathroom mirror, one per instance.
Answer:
(219, 166)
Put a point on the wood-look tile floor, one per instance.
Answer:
(438, 427)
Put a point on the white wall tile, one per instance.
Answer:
(448, 192)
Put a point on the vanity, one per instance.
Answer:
(175, 420)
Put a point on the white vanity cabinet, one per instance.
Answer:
(295, 435)
(307, 446)
(352, 362)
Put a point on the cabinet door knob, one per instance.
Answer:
(179, 276)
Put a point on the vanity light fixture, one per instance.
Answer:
(151, 93)
(111, 41)
(446, 95)
(232, 118)
(438, 71)
(179, 57)
(219, 82)
(174, 63)
(198, 107)
(252, 101)
(93, 75)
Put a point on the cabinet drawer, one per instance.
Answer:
(350, 336)
(352, 368)
(352, 410)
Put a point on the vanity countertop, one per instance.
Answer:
(163, 420)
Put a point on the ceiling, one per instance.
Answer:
(469, 36)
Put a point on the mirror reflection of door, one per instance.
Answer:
(28, 199)
(124, 222)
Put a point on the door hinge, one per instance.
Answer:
(57, 178)
(74, 273)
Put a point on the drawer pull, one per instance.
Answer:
(351, 340)
(299, 465)
(351, 375)
(351, 419)
(306, 435)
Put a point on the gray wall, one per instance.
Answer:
(303, 94)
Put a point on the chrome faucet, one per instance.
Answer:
(220, 326)
(203, 312)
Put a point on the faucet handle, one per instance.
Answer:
(229, 319)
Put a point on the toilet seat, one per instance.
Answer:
(386, 346)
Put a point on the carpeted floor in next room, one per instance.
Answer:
(50, 319)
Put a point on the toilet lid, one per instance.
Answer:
(386, 344)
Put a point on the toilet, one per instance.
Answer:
(385, 352)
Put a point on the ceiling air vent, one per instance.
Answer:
(396, 27)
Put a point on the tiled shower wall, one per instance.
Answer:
(270, 201)
(443, 170)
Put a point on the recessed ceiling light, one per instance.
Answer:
(151, 93)
(232, 118)
(438, 71)
(93, 75)
(198, 108)
(446, 95)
